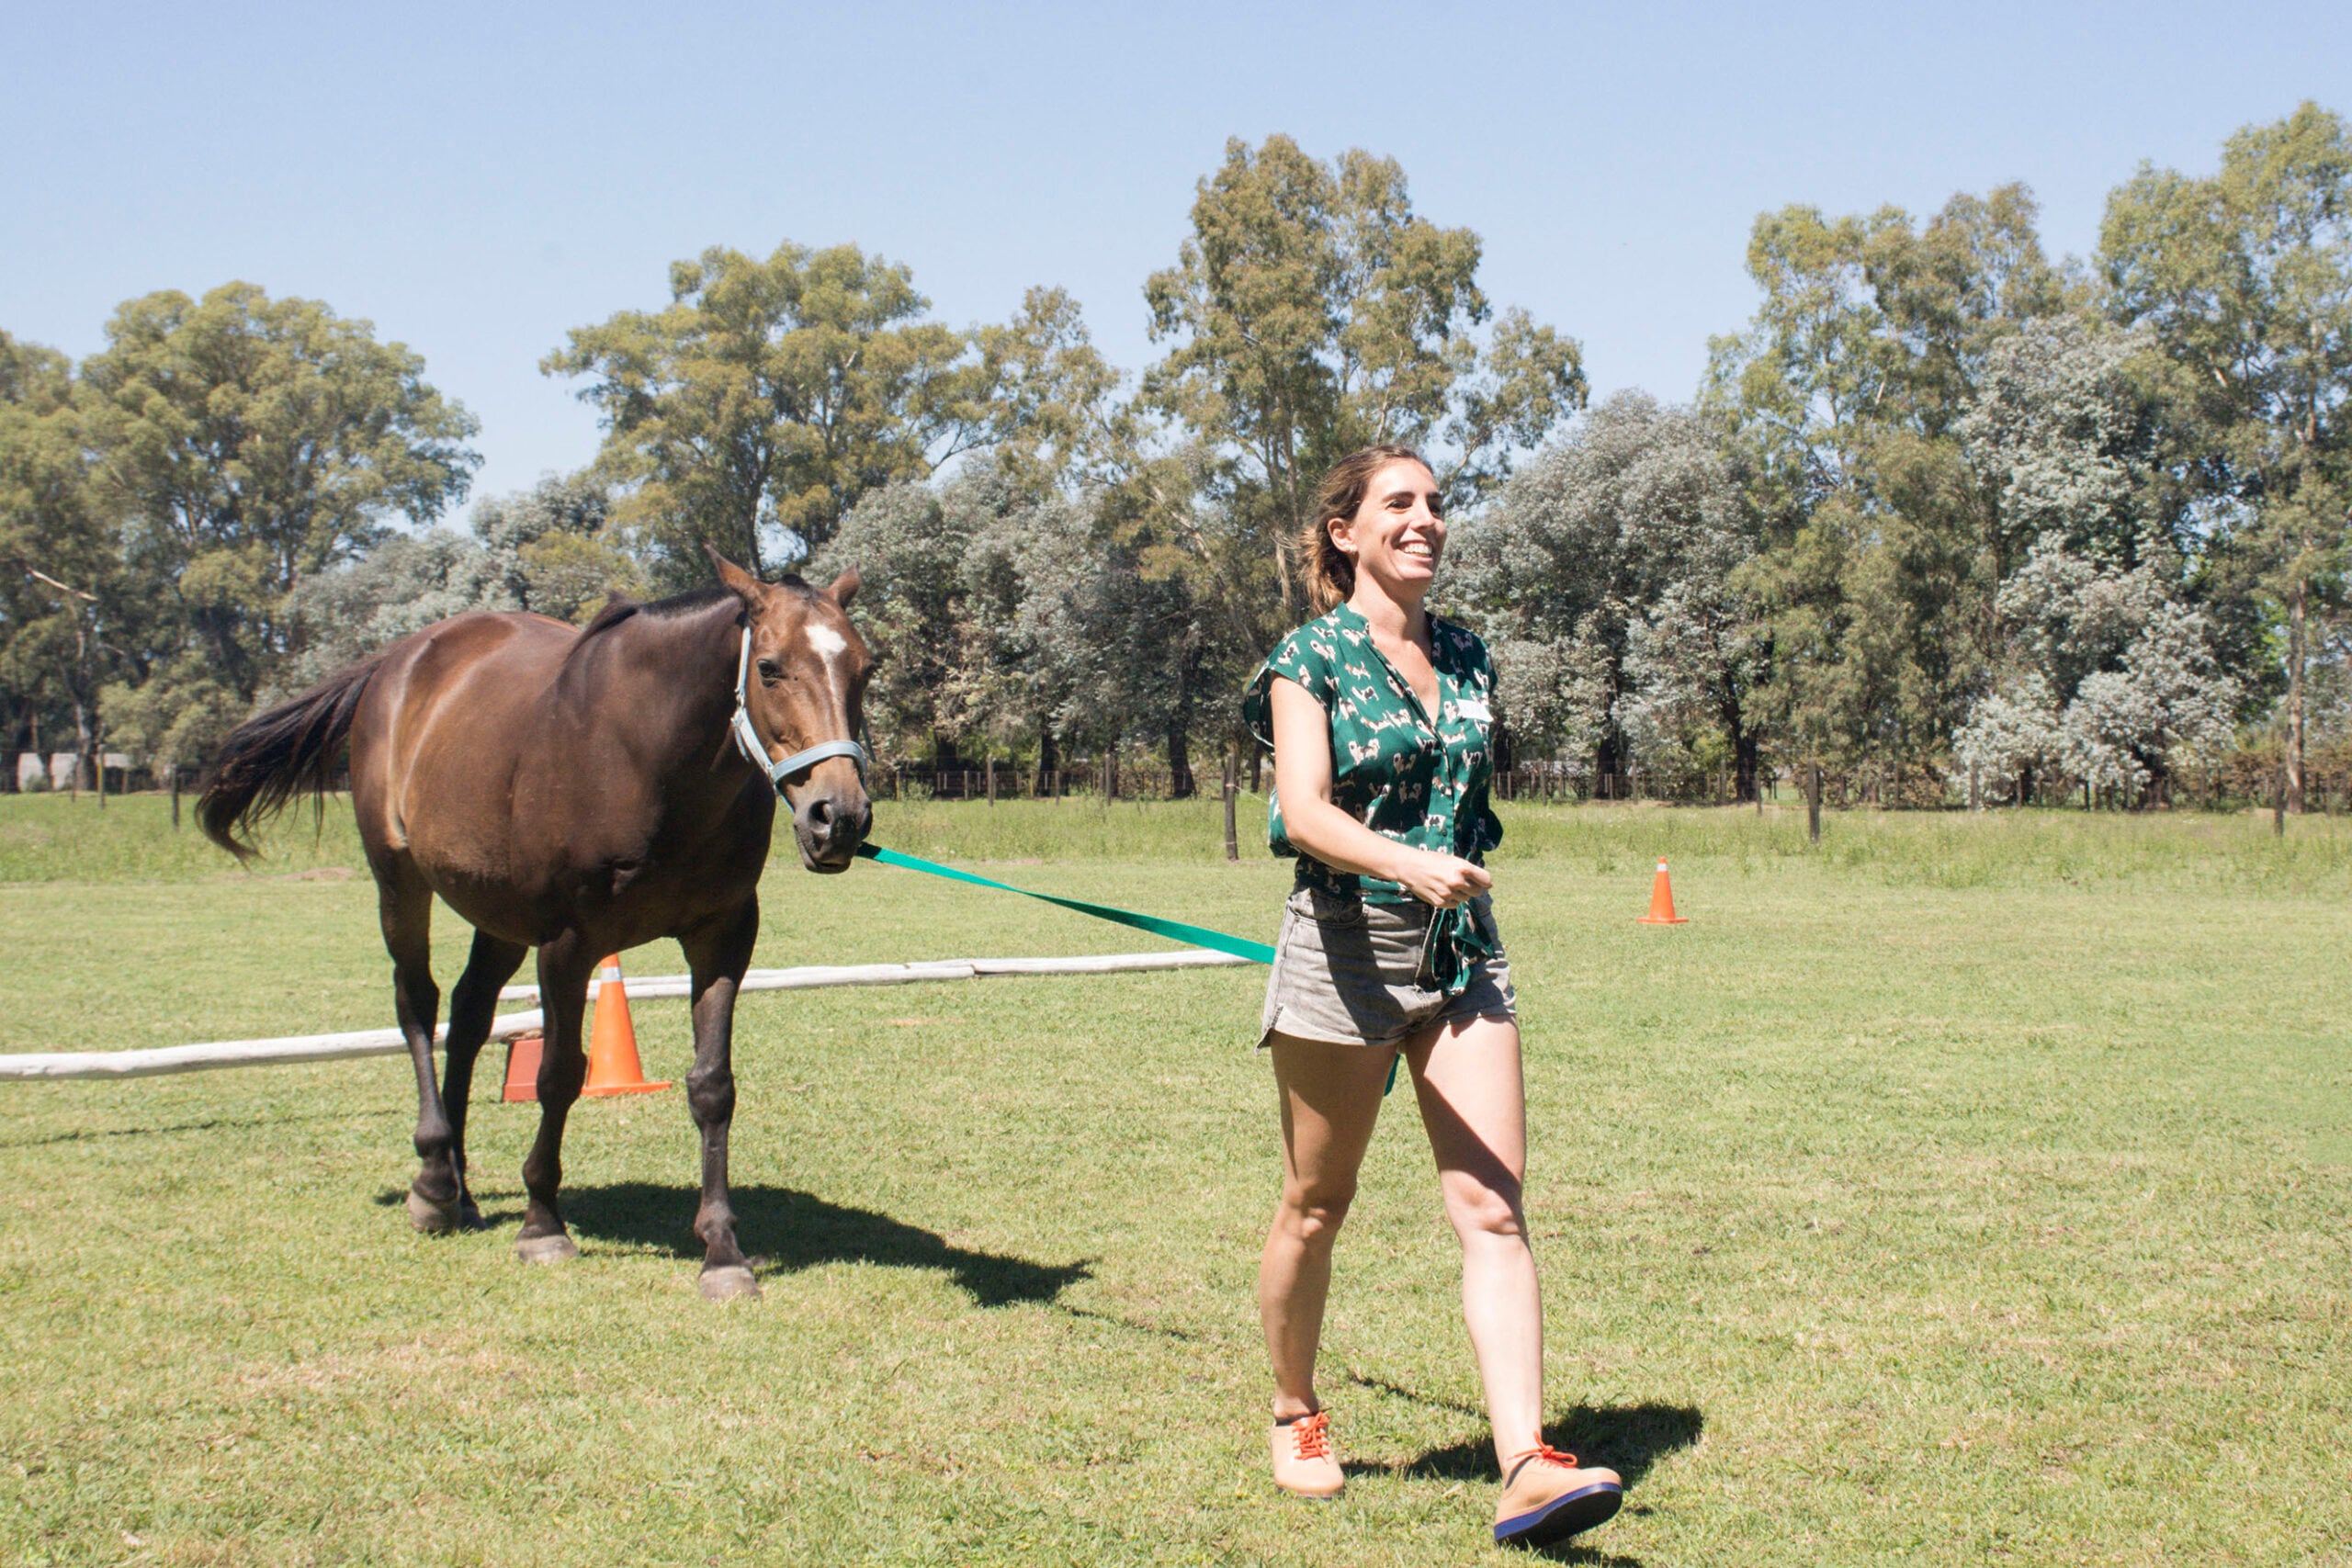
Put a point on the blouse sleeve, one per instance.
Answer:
(1304, 656)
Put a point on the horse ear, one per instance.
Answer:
(844, 588)
(738, 581)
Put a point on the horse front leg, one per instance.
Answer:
(564, 1067)
(718, 954)
(472, 1007)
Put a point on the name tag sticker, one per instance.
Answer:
(1474, 707)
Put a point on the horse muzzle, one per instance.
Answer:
(828, 823)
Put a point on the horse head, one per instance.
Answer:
(804, 689)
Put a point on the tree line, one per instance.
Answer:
(1947, 517)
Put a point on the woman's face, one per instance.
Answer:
(1398, 532)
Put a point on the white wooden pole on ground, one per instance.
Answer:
(52, 1065)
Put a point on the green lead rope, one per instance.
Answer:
(1452, 931)
(1175, 931)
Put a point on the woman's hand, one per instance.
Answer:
(1440, 880)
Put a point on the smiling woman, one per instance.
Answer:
(1378, 716)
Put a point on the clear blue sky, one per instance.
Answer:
(477, 180)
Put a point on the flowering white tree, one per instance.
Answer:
(1602, 579)
(2111, 680)
(2104, 674)
(2062, 431)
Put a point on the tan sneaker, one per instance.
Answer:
(1304, 1462)
(1546, 1498)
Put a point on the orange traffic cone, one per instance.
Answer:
(1662, 902)
(523, 1069)
(613, 1067)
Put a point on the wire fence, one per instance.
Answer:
(2249, 777)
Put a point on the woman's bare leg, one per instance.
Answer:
(1330, 1098)
(1473, 1105)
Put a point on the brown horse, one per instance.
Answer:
(580, 791)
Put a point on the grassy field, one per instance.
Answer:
(1967, 1190)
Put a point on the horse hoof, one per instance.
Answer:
(470, 1215)
(729, 1282)
(556, 1248)
(430, 1218)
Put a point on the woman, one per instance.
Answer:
(1377, 714)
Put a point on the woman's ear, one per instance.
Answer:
(1342, 534)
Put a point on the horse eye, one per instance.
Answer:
(769, 671)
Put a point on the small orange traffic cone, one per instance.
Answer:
(1662, 902)
(523, 1069)
(613, 1067)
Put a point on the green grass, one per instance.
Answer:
(1971, 1189)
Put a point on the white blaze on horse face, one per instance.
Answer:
(830, 645)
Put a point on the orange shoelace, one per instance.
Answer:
(1311, 1435)
(1543, 1451)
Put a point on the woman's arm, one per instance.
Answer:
(1303, 784)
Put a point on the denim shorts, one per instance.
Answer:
(1347, 972)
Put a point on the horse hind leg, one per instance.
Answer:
(564, 1067)
(404, 905)
(472, 1006)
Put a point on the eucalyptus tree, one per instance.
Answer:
(556, 548)
(754, 411)
(1055, 419)
(549, 549)
(909, 547)
(2245, 278)
(62, 597)
(1842, 398)
(1086, 643)
(241, 443)
(1312, 311)
(1066, 634)
(1604, 575)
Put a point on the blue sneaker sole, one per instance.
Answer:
(1562, 1517)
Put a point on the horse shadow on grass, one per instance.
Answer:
(793, 1231)
(1628, 1439)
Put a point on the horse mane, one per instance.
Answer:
(694, 600)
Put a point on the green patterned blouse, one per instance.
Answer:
(1392, 769)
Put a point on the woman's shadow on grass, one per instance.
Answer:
(1628, 1439)
(796, 1230)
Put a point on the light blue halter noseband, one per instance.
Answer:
(747, 739)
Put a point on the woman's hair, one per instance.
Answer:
(1331, 575)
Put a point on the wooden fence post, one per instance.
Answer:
(1232, 840)
(1813, 803)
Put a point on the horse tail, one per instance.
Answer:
(275, 756)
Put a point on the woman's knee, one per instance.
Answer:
(1317, 1210)
(1484, 1209)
